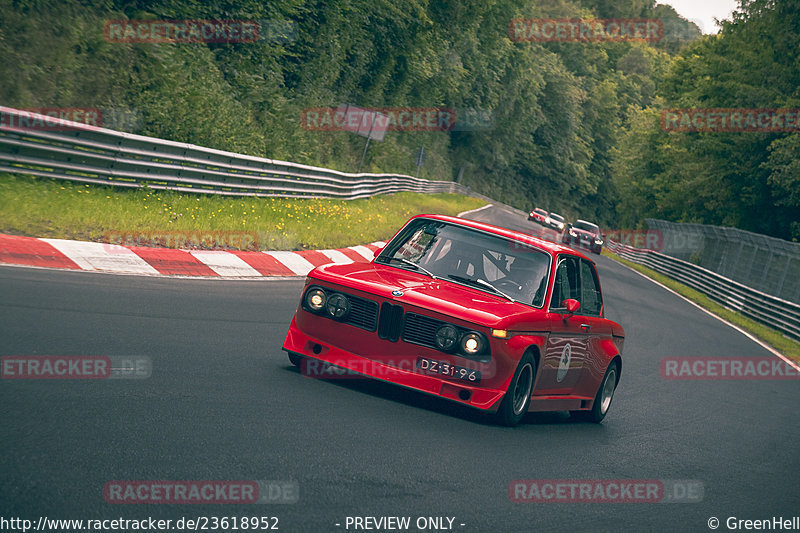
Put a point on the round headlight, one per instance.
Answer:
(446, 337)
(472, 343)
(338, 306)
(315, 299)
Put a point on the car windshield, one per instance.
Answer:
(586, 226)
(556, 217)
(470, 257)
(540, 211)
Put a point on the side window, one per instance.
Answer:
(592, 300)
(567, 283)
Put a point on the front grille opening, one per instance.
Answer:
(421, 330)
(390, 322)
(363, 313)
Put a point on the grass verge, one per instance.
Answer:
(42, 207)
(772, 337)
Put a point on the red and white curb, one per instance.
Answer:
(100, 257)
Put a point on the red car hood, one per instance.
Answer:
(419, 290)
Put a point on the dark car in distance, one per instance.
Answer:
(585, 234)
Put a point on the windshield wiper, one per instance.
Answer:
(482, 283)
(413, 264)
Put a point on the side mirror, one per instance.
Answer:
(378, 251)
(571, 305)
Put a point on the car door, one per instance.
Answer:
(596, 328)
(565, 351)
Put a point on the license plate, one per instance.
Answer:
(448, 369)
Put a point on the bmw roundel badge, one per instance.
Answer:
(397, 292)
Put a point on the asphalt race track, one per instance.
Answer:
(224, 403)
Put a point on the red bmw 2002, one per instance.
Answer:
(474, 313)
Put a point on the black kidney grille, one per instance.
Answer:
(421, 329)
(363, 313)
(390, 322)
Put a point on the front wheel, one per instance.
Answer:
(518, 397)
(295, 358)
(602, 401)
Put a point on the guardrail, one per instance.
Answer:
(769, 310)
(765, 263)
(57, 148)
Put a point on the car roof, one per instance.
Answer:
(586, 222)
(505, 232)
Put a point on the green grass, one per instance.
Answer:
(41, 207)
(772, 337)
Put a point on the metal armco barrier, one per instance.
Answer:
(762, 262)
(52, 147)
(774, 312)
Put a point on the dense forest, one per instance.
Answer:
(569, 126)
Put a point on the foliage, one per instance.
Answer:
(745, 179)
(558, 109)
(41, 207)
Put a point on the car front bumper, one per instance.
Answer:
(399, 370)
(577, 241)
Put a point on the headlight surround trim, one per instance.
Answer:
(472, 343)
(447, 337)
(316, 300)
(338, 306)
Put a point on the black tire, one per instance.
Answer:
(295, 358)
(602, 400)
(518, 397)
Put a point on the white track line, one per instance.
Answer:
(100, 256)
(225, 264)
(336, 256)
(758, 341)
(294, 262)
(487, 206)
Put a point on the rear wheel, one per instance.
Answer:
(518, 397)
(295, 358)
(602, 401)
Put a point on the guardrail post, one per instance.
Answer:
(783, 276)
